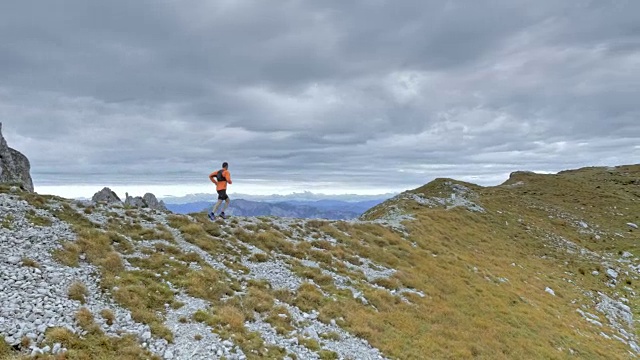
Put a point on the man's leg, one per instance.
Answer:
(226, 204)
(215, 208)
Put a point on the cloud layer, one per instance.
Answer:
(386, 94)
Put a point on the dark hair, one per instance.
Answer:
(225, 165)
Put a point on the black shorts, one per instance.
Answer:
(222, 194)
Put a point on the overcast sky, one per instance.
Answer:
(332, 95)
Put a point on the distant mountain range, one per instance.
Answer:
(306, 196)
(320, 209)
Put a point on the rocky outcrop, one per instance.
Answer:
(147, 201)
(153, 202)
(106, 195)
(14, 166)
(134, 201)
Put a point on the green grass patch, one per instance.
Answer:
(67, 214)
(68, 255)
(328, 355)
(37, 220)
(310, 344)
(7, 222)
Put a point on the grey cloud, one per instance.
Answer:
(162, 91)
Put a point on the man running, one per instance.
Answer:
(221, 178)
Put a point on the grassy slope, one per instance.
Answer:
(471, 313)
(483, 274)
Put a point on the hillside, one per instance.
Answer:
(542, 266)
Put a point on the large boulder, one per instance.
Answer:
(147, 201)
(106, 195)
(137, 201)
(14, 166)
(153, 203)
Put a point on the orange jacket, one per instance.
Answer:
(221, 185)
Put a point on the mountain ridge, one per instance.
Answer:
(302, 196)
(320, 209)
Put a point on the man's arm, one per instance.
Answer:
(212, 177)
(229, 178)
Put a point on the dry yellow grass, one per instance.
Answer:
(111, 263)
(192, 229)
(308, 297)
(310, 273)
(178, 221)
(389, 283)
(84, 318)
(310, 344)
(108, 315)
(470, 313)
(280, 318)
(94, 244)
(78, 291)
(66, 213)
(331, 336)
(321, 256)
(68, 255)
(328, 355)
(120, 243)
(231, 317)
(202, 233)
(207, 284)
(269, 241)
(140, 292)
(259, 257)
(258, 300)
(284, 295)
(5, 349)
(190, 257)
(209, 227)
(59, 335)
(201, 316)
(30, 262)
(322, 244)
(25, 342)
(96, 345)
(228, 322)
